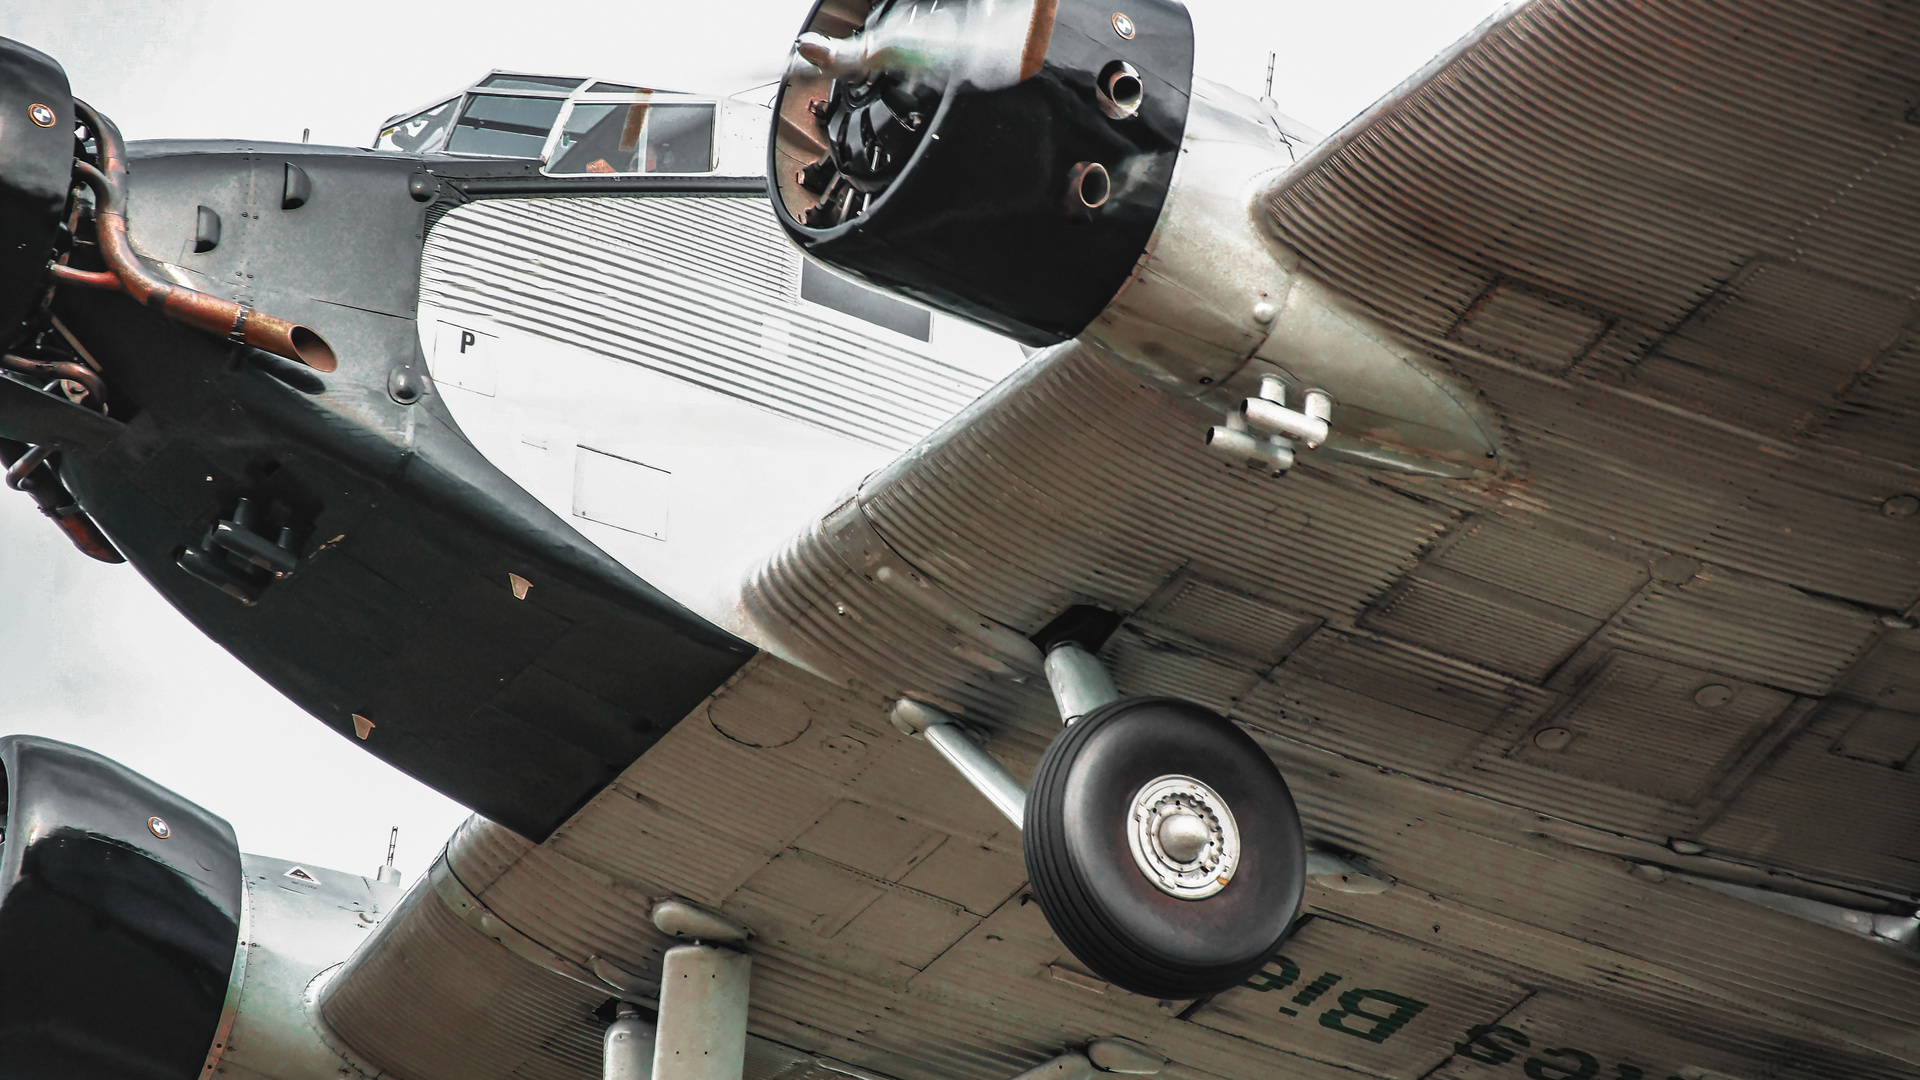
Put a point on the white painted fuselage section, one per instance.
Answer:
(649, 368)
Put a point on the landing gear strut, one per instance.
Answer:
(1161, 842)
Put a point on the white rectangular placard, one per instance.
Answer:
(466, 358)
(625, 494)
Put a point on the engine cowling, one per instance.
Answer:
(1004, 163)
(1054, 170)
(36, 165)
(120, 908)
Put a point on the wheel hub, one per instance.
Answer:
(1183, 837)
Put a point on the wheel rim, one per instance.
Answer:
(1183, 837)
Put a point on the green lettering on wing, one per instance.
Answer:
(1372, 1024)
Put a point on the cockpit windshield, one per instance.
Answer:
(417, 133)
(501, 80)
(639, 137)
(503, 126)
(574, 126)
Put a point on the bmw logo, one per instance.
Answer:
(41, 114)
(1123, 25)
(158, 828)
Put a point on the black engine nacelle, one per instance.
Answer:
(36, 171)
(1003, 163)
(120, 912)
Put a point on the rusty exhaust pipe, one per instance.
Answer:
(59, 369)
(54, 499)
(93, 279)
(231, 320)
(27, 462)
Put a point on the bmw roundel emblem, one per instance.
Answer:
(1123, 25)
(158, 828)
(41, 114)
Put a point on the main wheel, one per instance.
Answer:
(1164, 848)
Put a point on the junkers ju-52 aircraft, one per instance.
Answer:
(1520, 482)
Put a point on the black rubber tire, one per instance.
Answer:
(1102, 908)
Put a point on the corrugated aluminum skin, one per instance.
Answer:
(1676, 246)
(483, 1003)
(701, 288)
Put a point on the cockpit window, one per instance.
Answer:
(418, 133)
(504, 126)
(638, 137)
(531, 82)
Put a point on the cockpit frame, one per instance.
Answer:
(662, 130)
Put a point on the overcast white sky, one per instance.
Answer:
(93, 656)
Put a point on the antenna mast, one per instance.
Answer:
(387, 875)
(1270, 59)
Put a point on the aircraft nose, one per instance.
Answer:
(36, 173)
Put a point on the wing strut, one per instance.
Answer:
(988, 776)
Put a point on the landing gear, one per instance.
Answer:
(1164, 847)
(1161, 842)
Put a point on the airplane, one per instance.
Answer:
(1034, 565)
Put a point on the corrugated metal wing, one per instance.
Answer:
(1675, 246)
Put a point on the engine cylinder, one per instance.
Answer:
(1006, 163)
(120, 911)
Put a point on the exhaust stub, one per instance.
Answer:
(1274, 418)
(228, 318)
(1119, 90)
(1249, 449)
(1089, 186)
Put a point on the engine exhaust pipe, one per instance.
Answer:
(227, 318)
(1250, 449)
(1120, 90)
(1276, 419)
(29, 471)
(1090, 186)
(59, 369)
(1269, 413)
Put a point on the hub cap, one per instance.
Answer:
(1183, 837)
